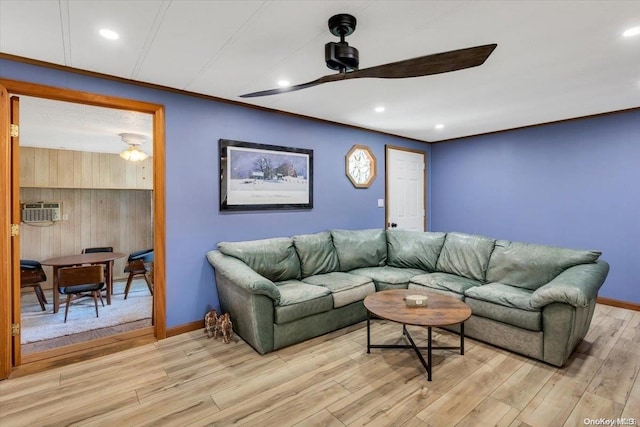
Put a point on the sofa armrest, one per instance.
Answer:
(240, 274)
(577, 286)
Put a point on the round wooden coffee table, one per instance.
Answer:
(441, 310)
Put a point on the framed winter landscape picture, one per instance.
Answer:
(259, 176)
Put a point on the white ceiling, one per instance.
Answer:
(69, 126)
(555, 59)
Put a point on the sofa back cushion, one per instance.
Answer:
(465, 255)
(360, 248)
(414, 249)
(275, 259)
(529, 266)
(317, 253)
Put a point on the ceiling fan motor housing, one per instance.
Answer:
(341, 56)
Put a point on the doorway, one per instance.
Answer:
(70, 160)
(406, 174)
(10, 356)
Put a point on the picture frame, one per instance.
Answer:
(264, 177)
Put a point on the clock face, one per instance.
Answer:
(360, 166)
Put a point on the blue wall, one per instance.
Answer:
(572, 184)
(194, 223)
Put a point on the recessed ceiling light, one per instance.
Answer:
(109, 34)
(283, 83)
(379, 109)
(634, 31)
(439, 126)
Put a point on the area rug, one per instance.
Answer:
(38, 325)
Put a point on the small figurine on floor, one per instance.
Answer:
(225, 328)
(211, 323)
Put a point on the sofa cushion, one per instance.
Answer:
(465, 255)
(345, 288)
(530, 266)
(413, 249)
(360, 248)
(531, 320)
(445, 281)
(317, 253)
(295, 291)
(506, 295)
(388, 277)
(415, 286)
(275, 259)
(299, 299)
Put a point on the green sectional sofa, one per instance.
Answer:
(531, 299)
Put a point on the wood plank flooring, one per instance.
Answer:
(44, 345)
(191, 380)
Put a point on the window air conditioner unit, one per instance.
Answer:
(41, 211)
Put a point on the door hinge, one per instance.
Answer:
(15, 131)
(15, 329)
(15, 230)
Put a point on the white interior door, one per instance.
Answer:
(406, 177)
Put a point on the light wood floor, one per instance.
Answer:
(44, 345)
(331, 381)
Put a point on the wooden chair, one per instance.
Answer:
(31, 275)
(99, 249)
(78, 282)
(138, 264)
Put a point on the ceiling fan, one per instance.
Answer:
(344, 58)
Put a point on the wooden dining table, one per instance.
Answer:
(106, 258)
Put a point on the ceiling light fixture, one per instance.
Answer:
(133, 153)
(283, 83)
(109, 34)
(379, 109)
(439, 126)
(634, 31)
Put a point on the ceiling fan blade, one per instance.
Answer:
(426, 65)
(323, 79)
(422, 66)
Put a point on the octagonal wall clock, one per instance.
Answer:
(360, 166)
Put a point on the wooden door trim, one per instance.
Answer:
(60, 94)
(388, 147)
(14, 117)
(5, 236)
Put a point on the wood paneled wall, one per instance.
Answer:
(42, 167)
(107, 202)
